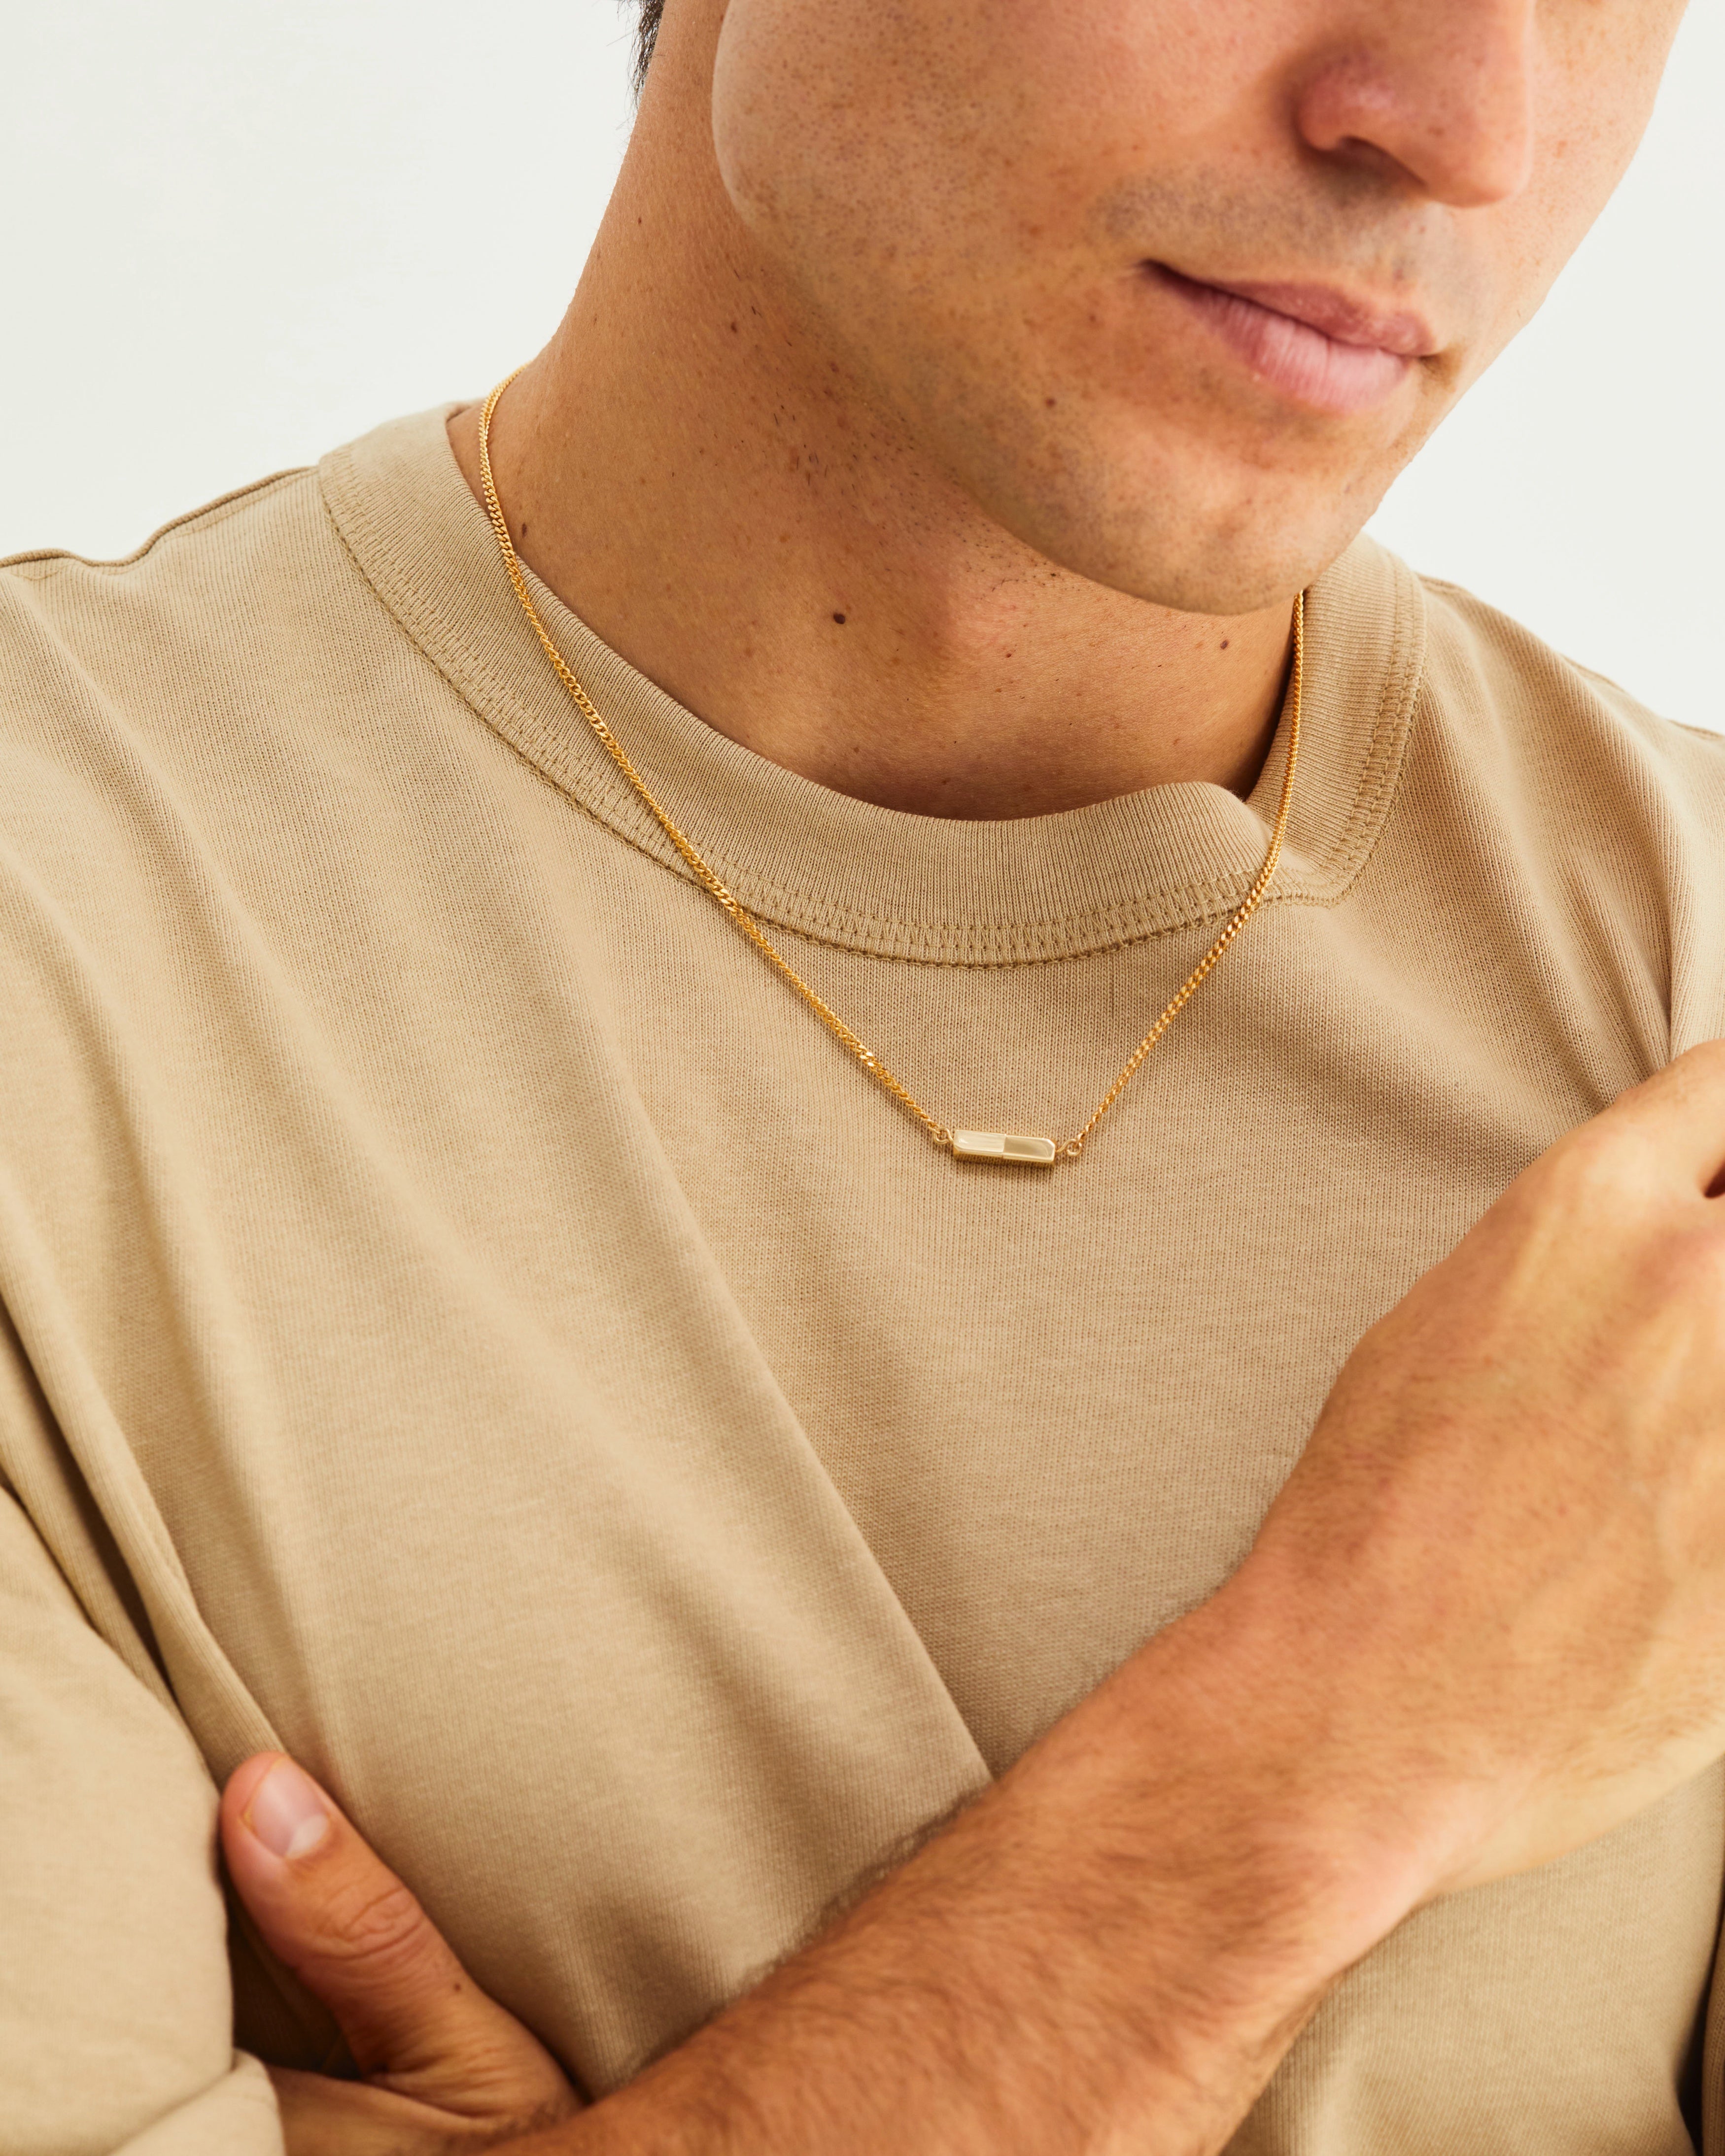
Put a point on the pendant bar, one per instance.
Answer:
(1014, 1148)
(1021, 1149)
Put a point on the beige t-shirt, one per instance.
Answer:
(464, 1320)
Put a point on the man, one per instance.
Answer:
(1234, 1614)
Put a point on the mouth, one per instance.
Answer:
(1318, 347)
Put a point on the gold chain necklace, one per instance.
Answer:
(1024, 1149)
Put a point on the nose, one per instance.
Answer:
(1445, 93)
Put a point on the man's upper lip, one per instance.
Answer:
(1338, 313)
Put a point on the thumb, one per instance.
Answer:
(338, 1917)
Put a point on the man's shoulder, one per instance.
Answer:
(1581, 817)
(176, 722)
(244, 629)
(36, 564)
(204, 597)
(1511, 693)
(240, 655)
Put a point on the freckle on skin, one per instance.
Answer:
(1223, 646)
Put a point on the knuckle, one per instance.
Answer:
(1690, 1272)
(1698, 1075)
(1705, 1059)
(376, 1922)
(1600, 1165)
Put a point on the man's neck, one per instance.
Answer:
(720, 499)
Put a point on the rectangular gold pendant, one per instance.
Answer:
(1003, 1144)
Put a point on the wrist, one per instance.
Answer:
(1113, 1947)
(1279, 1760)
(1295, 1842)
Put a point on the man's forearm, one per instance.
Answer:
(1113, 1947)
(1479, 1627)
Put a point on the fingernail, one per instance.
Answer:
(286, 1813)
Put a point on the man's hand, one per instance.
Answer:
(1504, 1547)
(1484, 1623)
(446, 2069)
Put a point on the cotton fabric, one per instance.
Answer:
(466, 1324)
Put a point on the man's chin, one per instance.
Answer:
(1203, 504)
(1202, 559)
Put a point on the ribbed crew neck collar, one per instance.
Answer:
(817, 862)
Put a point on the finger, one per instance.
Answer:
(325, 2117)
(351, 1932)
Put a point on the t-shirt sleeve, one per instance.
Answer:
(116, 2005)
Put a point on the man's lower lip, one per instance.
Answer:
(1312, 369)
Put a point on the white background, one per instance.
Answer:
(238, 233)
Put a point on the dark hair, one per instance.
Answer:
(646, 36)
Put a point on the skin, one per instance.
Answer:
(1483, 1624)
(868, 331)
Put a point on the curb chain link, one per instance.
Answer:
(1071, 1148)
